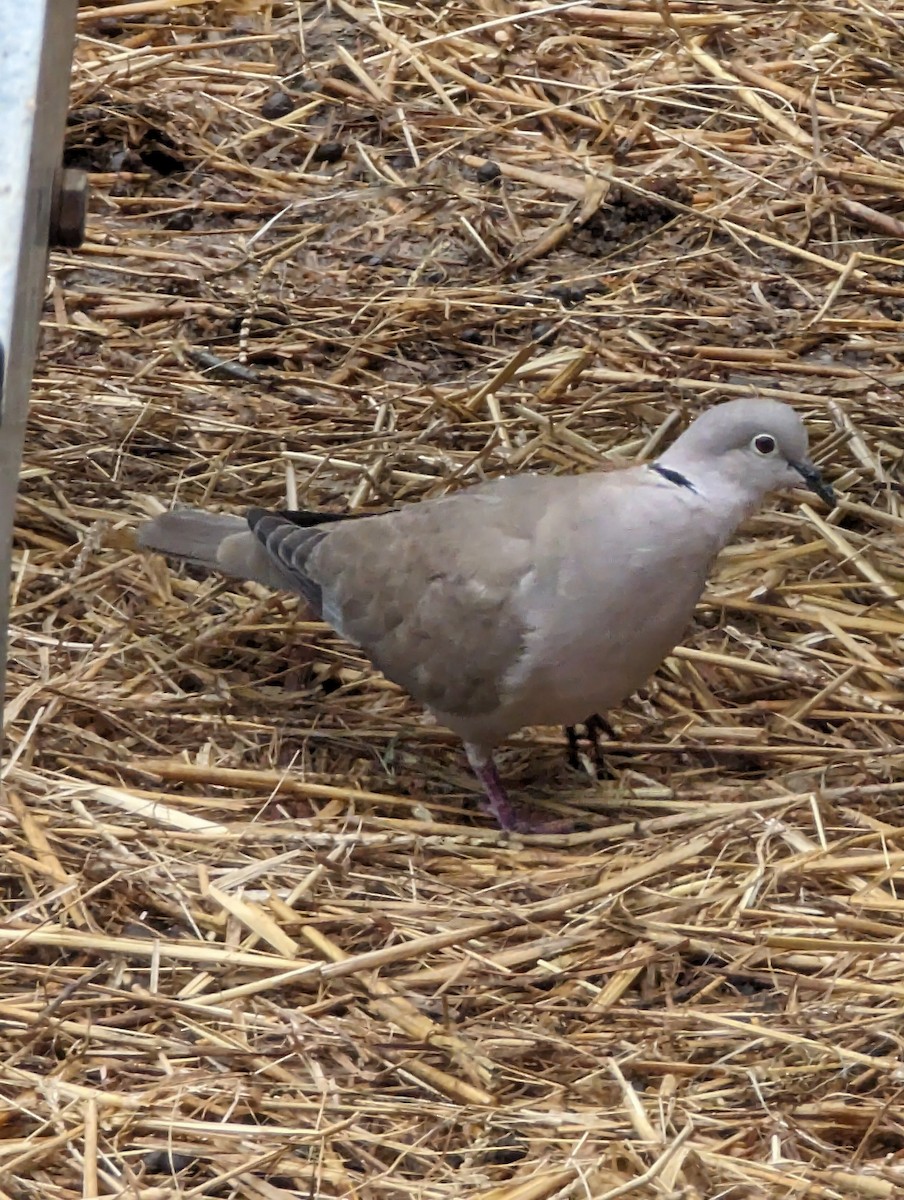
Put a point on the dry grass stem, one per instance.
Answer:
(257, 941)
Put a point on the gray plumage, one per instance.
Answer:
(531, 600)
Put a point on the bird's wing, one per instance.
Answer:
(430, 591)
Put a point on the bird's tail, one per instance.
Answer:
(215, 541)
(190, 534)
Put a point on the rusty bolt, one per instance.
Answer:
(69, 208)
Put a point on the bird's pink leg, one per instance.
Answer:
(498, 802)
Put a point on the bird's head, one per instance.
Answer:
(758, 443)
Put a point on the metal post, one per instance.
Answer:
(36, 40)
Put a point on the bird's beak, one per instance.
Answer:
(814, 481)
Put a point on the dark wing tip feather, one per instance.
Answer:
(289, 545)
(302, 518)
(255, 517)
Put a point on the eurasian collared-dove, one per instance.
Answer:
(529, 600)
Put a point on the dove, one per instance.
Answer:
(529, 599)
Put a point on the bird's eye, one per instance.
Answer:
(764, 444)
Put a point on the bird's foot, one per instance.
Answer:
(509, 816)
(594, 726)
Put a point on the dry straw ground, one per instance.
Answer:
(256, 941)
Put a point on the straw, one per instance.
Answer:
(258, 940)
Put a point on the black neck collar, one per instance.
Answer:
(672, 476)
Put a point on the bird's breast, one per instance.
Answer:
(600, 626)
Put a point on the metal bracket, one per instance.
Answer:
(69, 208)
(36, 40)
